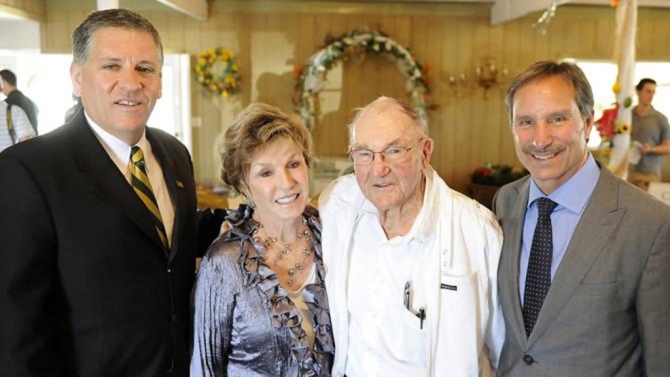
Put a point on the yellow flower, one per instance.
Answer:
(624, 128)
(617, 87)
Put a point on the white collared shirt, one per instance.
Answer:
(119, 152)
(379, 270)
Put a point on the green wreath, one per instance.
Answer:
(223, 84)
(311, 79)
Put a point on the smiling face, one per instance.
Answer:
(278, 183)
(390, 186)
(120, 81)
(550, 134)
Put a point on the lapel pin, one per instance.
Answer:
(180, 184)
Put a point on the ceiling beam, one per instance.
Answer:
(194, 8)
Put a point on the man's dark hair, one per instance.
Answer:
(115, 18)
(8, 76)
(644, 82)
(570, 72)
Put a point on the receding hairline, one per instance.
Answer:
(384, 103)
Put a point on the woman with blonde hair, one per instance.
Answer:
(261, 307)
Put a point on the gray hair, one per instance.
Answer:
(569, 71)
(116, 18)
(405, 108)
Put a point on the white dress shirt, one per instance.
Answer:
(379, 270)
(119, 152)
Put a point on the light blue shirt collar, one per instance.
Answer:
(573, 194)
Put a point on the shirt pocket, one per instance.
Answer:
(460, 313)
(409, 344)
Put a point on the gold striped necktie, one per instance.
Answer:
(142, 186)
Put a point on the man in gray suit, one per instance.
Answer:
(584, 277)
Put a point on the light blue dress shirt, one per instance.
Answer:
(572, 197)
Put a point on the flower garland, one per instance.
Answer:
(222, 84)
(311, 79)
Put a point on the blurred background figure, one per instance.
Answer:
(651, 134)
(17, 98)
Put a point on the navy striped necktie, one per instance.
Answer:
(142, 186)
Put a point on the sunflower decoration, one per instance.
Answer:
(217, 71)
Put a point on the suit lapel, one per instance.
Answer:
(105, 179)
(512, 255)
(175, 185)
(595, 228)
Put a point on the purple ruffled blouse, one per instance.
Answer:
(245, 324)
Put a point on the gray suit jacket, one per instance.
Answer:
(608, 308)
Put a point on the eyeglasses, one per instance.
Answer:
(390, 155)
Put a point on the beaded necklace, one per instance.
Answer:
(282, 258)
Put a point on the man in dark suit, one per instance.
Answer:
(17, 98)
(584, 276)
(98, 223)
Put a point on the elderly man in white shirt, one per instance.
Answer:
(411, 264)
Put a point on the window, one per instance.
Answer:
(602, 75)
(45, 78)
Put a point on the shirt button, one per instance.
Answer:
(169, 270)
(528, 359)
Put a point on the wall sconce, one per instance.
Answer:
(486, 75)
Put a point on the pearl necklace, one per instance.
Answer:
(283, 255)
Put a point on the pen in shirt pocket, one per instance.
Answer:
(406, 301)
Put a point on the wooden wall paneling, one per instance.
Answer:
(572, 39)
(645, 40)
(494, 120)
(463, 122)
(660, 43)
(449, 64)
(280, 50)
(587, 38)
(540, 43)
(176, 32)
(515, 55)
(427, 42)
(320, 133)
(604, 38)
(384, 69)
(261, 53)
(161, 23)
(192, 36)
(556, 34)
(289, 58)
(480, 53)
(74, 18)
(57, 32)
(205, 158)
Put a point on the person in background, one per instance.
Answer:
(651, 131)
(74, 109)
(261, 308)
(14, 125)
(584, 276)
(17, 98)
(411, 264)
(99, 223)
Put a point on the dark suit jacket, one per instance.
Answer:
(86, 288)
(607, 311)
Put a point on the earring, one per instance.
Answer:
(249, 201)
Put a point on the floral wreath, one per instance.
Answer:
(311, 79)
(226, 82)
